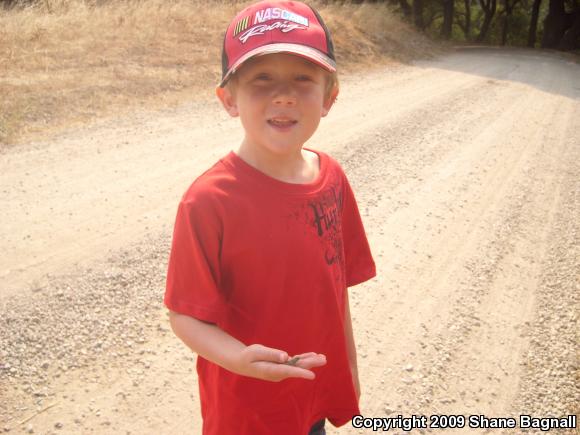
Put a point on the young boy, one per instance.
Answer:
(268, 239)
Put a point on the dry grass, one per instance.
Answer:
(71, 61)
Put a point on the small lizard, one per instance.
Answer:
(293, 361)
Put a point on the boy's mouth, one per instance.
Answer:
(281, 122)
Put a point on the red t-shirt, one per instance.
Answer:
(269, 262)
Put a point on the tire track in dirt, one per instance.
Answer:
(485, 348)
(455, 239)
(406, 95)
(549, 385)
(83, 184)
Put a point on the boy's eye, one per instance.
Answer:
(304, 78)
(262, 77)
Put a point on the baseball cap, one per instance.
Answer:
(276, 27)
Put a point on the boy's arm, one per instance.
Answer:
(257, 361)
(350, 347)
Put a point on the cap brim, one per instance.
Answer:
(308, 53)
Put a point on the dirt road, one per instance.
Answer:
(467, 173)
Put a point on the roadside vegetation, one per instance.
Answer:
(67, 62)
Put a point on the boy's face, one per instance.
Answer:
(280, 99)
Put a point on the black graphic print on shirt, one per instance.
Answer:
(322, 217)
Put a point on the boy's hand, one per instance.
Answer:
(269, 364)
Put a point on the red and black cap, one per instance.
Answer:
(276, 27)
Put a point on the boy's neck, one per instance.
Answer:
(300, 167)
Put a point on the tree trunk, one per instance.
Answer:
(554, 24)
(534, 23)
(504, 30)
(418, 14)
(467, 30)
(489, 7)
(571, 39)
(448, 9)
(507, 16)
(406, 8)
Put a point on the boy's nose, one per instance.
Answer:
(285, 95)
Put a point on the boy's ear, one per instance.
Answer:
(329, 101)
(228, 100)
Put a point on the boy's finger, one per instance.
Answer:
(316, 360)
(310, 355)
(263, 353)
(282, 371)
(305, 355)
(298, 372)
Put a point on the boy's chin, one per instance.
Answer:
(275, 147)
(285, 150)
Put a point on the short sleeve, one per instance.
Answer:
(193, 274)
(359, 262)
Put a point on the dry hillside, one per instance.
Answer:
(71, 61)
